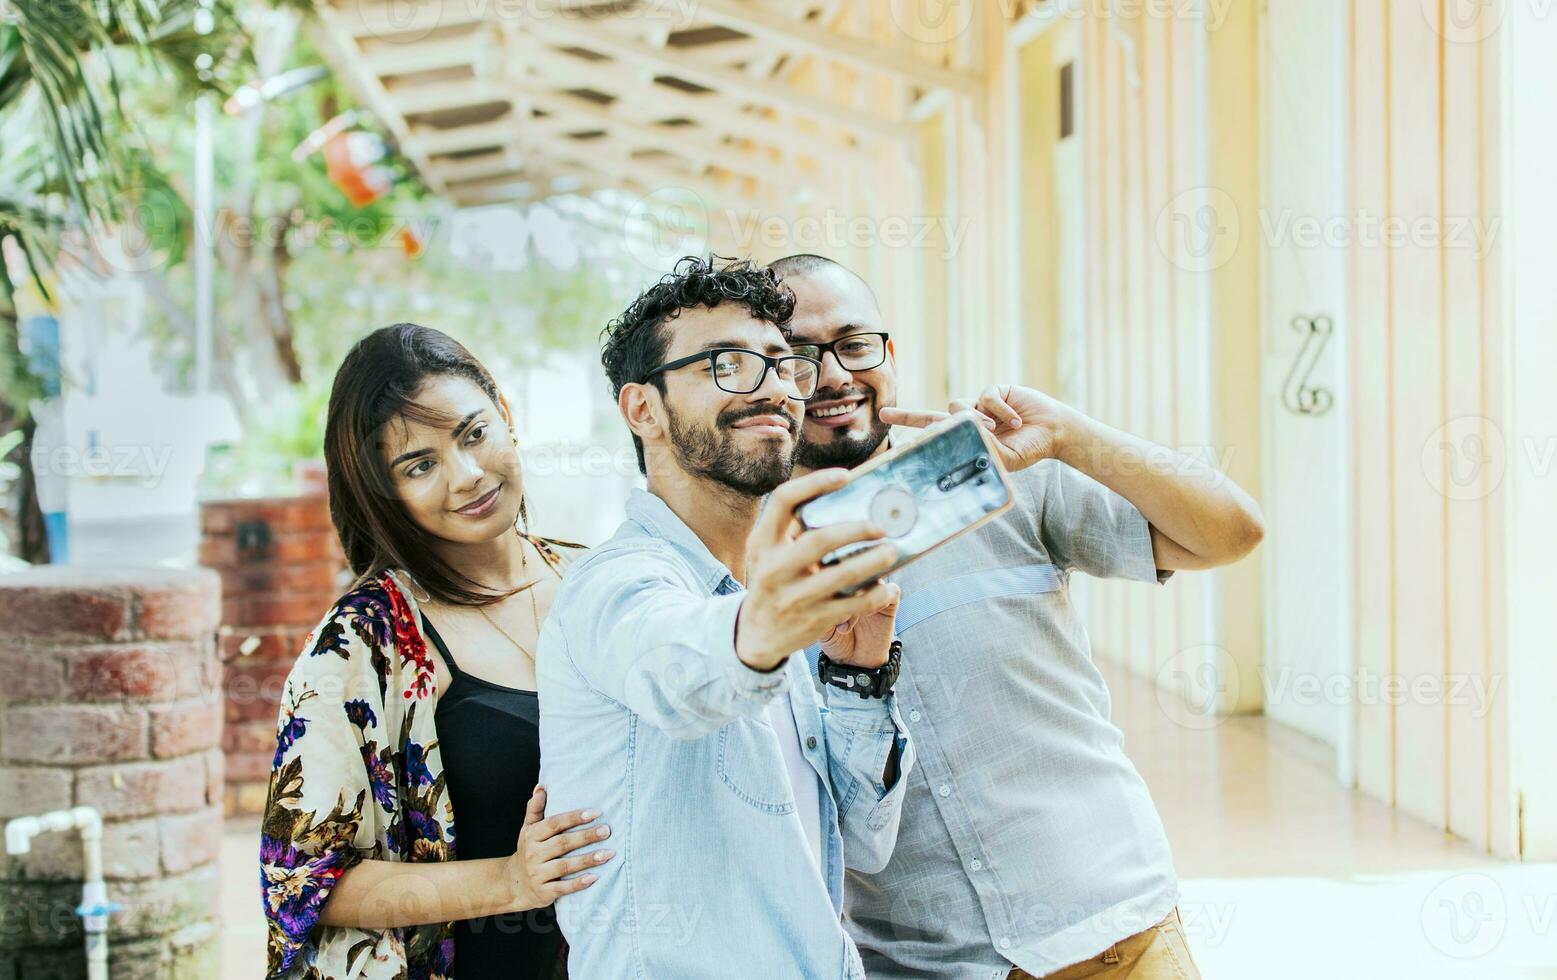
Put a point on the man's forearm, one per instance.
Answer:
(1206, 518)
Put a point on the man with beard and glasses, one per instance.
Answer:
(670, 691)
(1030, 845)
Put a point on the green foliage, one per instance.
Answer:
(290, 429)
(110, 84)
(67, 54)
(18, 387)
(60, 74)
(25, 218)
(511, 318)
(8, 444)
(9, 473)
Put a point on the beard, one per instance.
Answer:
(845, 448)
(710, 451)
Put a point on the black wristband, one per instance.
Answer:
(867, 682)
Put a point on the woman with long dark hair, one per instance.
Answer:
(404, 831)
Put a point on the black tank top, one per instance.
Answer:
(490, 739)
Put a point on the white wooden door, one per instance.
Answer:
(1304, 228)
(1070, 192)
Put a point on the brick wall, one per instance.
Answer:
(281, 566)
(110, 697)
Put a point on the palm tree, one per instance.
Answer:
(60, 71)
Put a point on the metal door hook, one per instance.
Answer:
(1300, 397)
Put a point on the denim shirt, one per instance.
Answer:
(648, 715)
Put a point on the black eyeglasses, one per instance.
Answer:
(741, 372)
(856, 352)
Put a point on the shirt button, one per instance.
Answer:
(1005, 943)
(976, 864)
(913, 715)
(944, 790)
(811, 742)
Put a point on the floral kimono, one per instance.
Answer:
(357, 775)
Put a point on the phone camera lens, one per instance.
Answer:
(982, 463)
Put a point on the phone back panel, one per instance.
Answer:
(924, 494)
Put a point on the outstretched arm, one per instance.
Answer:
(1199, 517)
(688, 663)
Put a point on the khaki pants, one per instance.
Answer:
(1159, 953)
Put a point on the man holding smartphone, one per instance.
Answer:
(669, 689)
(1030, 846)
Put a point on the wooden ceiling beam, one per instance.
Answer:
(714, 115)
(721, 79)
(475, 51)
(396, 19)
(813, 39)
(644, 176)
(696, 148)
(500, 132)
(441, 96)
(506, 161)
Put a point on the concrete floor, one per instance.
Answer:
(1285, 873)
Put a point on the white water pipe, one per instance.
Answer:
(95, 907)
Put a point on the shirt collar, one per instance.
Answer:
(657, 519)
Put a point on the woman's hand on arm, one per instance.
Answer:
(397, 894)
(546, 853)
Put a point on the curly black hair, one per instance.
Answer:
(633, 344)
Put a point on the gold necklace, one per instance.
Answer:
(535, 612)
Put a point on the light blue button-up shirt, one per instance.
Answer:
(648, 715)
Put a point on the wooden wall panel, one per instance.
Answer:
(1091, 95)
(1502, 812)
(1527, 413)
(934, 270)
(1116, 328)
(1416, 313)
(1232, 169)
(1108, 316)
(1190, 360)
(1156, 95)
(1467, 713)
(1149, 362)
(1372, 386)
(1038, 119)
(1141, 379)
(1427, 351)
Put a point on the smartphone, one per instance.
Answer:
(945, 483)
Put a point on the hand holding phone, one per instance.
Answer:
(792, 600)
